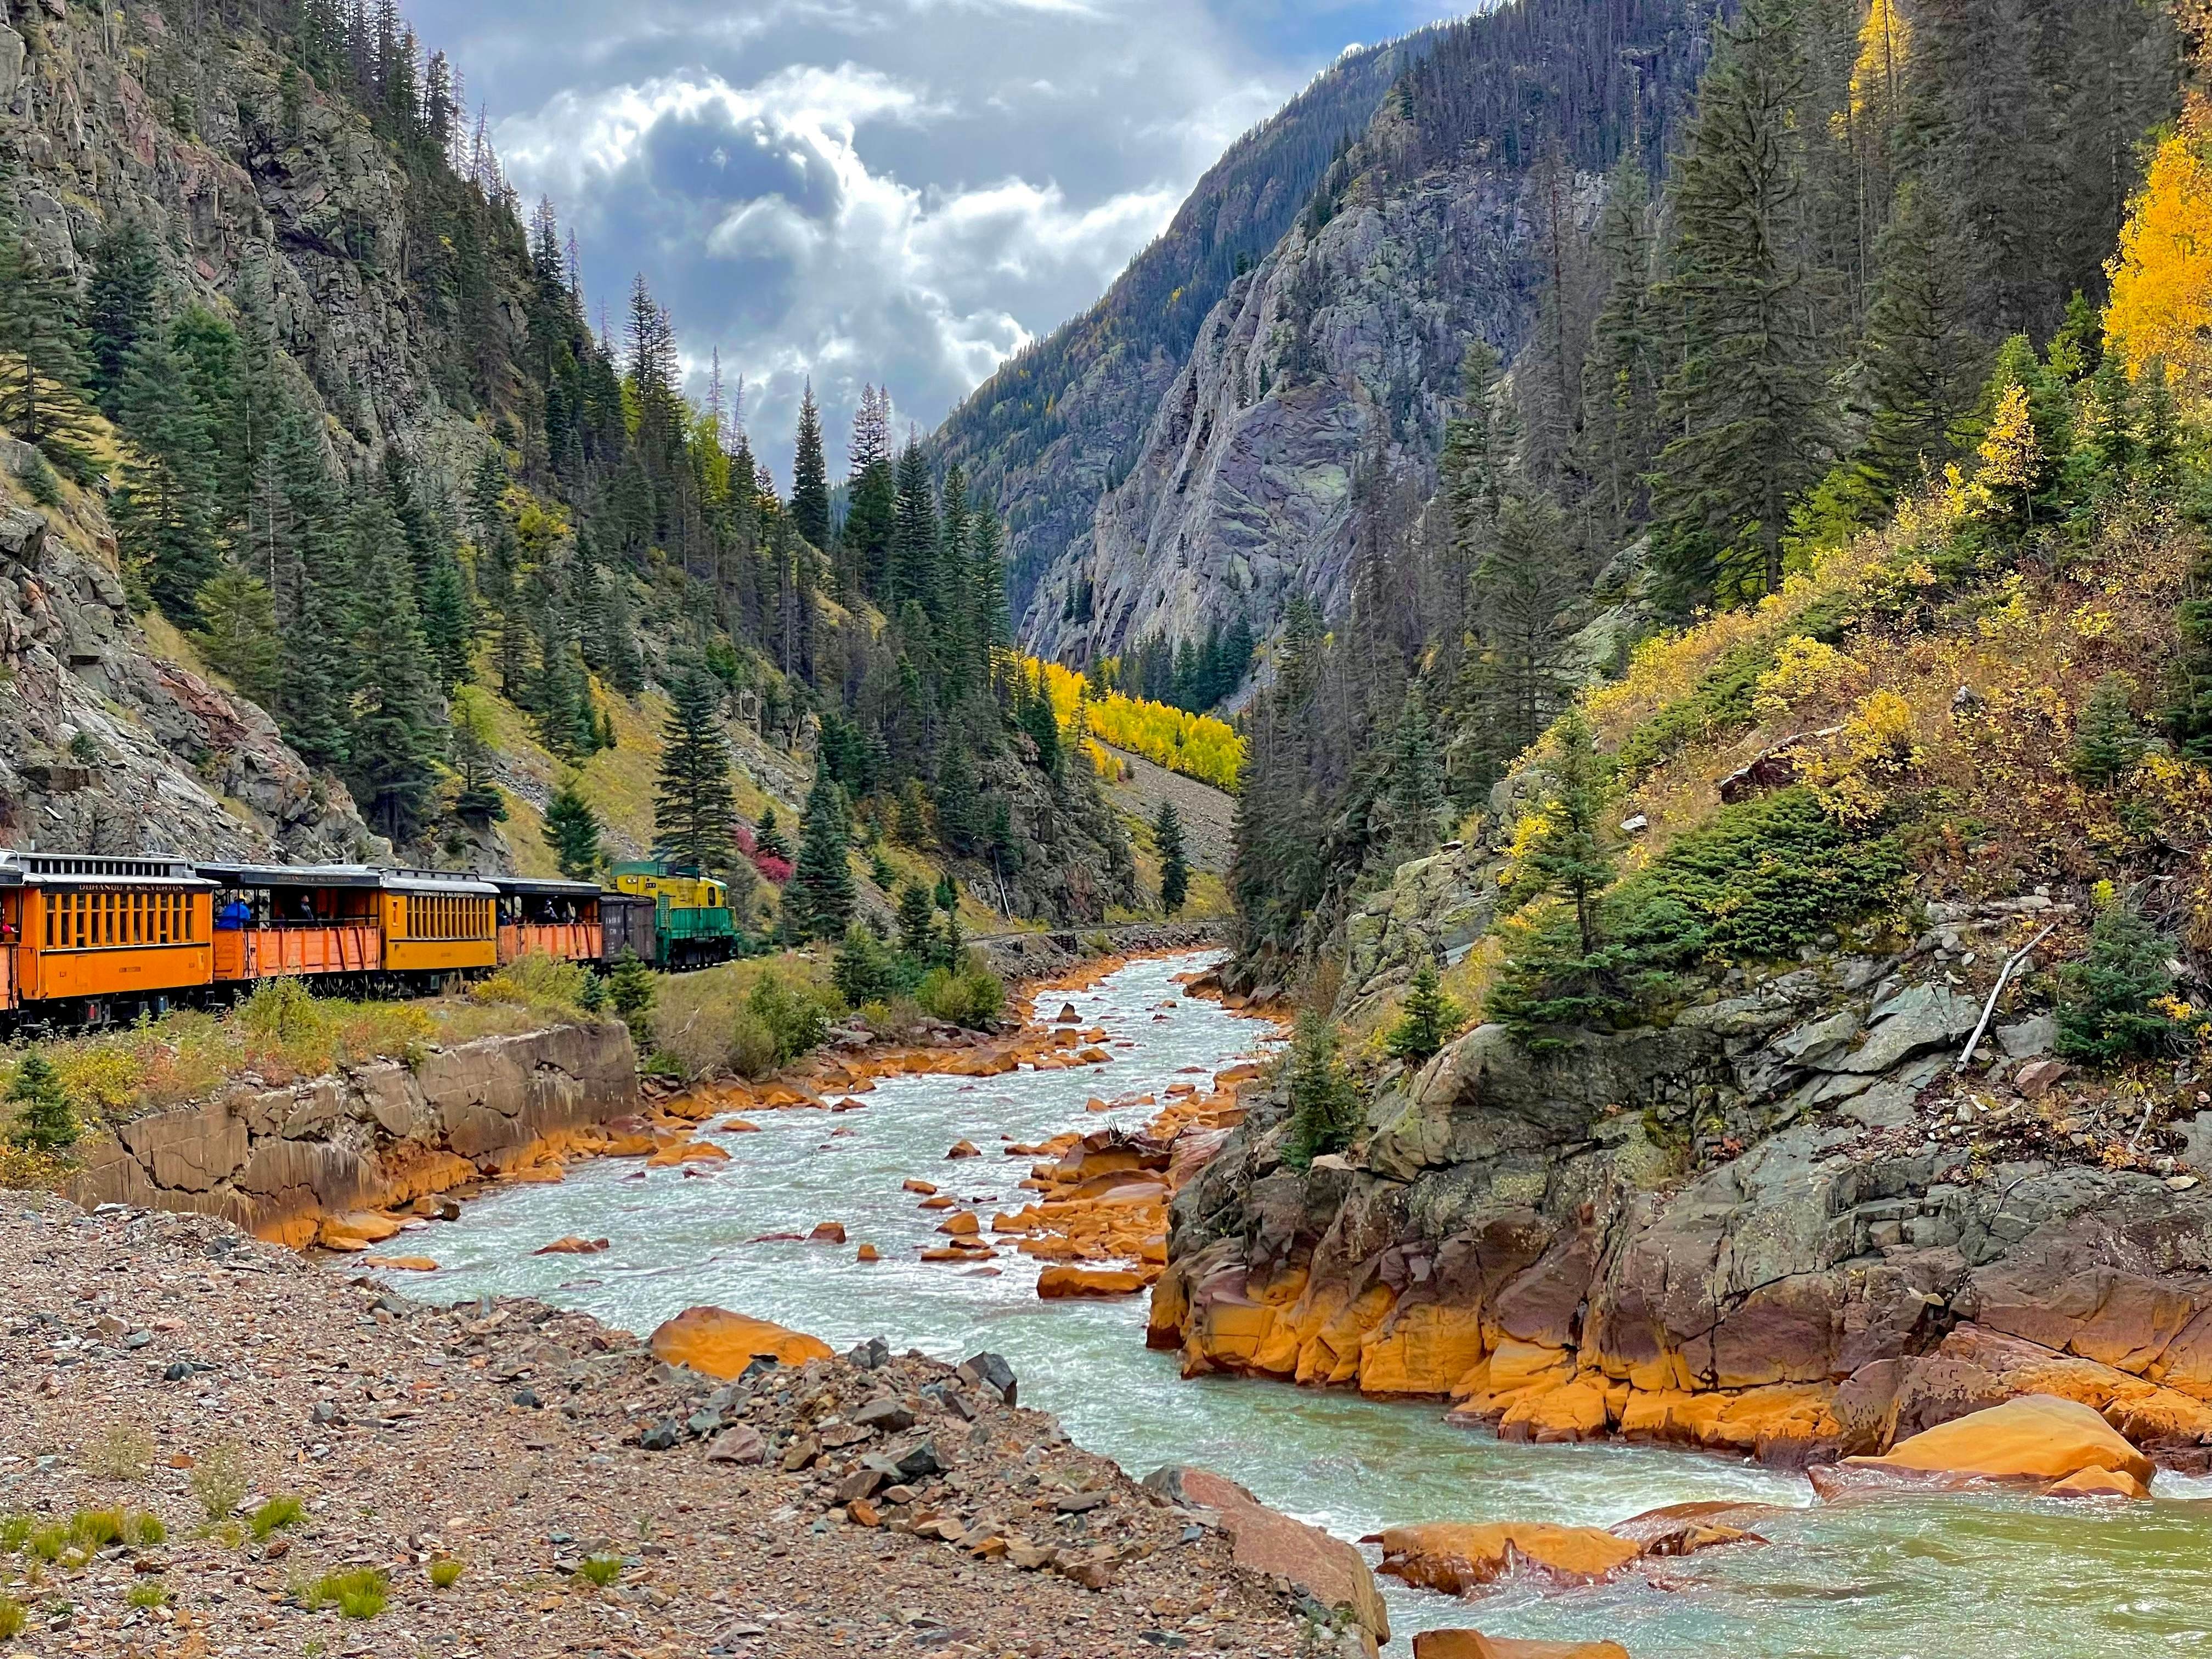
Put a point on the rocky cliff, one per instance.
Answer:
(1789, 1224)
(1329, 369)
(258, 190)
(278, 1161)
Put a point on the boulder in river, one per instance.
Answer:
(1054, 1283)
(964, 1149)
(1457, 1557)
(720, 1343)
(1326, 1568)
(1473, 1645)
(2038, 1437)
(571, 1244)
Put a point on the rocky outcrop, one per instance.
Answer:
(279, 1161)
(106, 747)
(1783, 1225)
(716, 1342)
(2058, 1445)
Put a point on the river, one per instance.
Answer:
(1954, 1578)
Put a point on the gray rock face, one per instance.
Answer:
(1343, 344)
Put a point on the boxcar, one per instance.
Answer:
(284, 920)
(437, 923)
(551, 918)
(93, 938)
(628, 926)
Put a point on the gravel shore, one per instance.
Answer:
(164, 1365)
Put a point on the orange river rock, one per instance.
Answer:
(1473, 1645)
(2038, 1437)
(720, 1343)
(962, 1225)
(1055, 1283)
(1456, 1556)
(405, 1264)
(868, 1253)
(571, 1244)
(925, 1189)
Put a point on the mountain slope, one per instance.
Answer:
(1063, 420)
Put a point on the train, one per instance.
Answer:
(87, 938)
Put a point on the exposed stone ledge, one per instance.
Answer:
(275, 1161)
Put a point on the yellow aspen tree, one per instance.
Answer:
(2011, 458)
(2161, 303)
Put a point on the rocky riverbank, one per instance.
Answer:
(1790, 1223)
(332, 1465)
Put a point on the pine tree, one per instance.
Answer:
(118, 305)
(912, 573)
(42, 371)
(1324, 1106)
(1523, 583)
(810, 475)
(871, 493)
(1621, 374)
(1567, 857)
(818, 902)
(632, 990)
(959, 802)
(395, 732)
(2107, 1005)
(769, 838)
(1472, 470)
(1427, 1020)
(472, 749)
(1922, 360)
(916, 920)
(2107, 742)
(169, 475)
(43, 1117)
(238, 637)
(449, 622)
(572, 830)
(1746, 395)
(1415, 782)
(1175, 869)
(693, 818)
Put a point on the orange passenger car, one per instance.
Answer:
(438, 923)
(274, 921)
(550, 918)
(102, 937)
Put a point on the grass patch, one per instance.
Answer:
(446, 1572)
(14, 1531)
(125, 1452)
(600, 1569)
(12, 1617)
(142, 1528)
(282, 1511)
(747, 1016)
(542, 984)
(148, 1593)
(48, 1542)
(361, 1594)
(95, 1529)
(219, 1479)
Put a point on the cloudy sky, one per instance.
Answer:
(901, 191)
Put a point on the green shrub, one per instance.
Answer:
(544, 984)
(11, 1618)
(361, 1594)
(1325, 1108)
(2107, 740)
(600, 1569)
(2113, 1003)
(282, 1510)
(632, 990)
(1427, 1020)
(445, 1572)
(143, 1528)
(751, 1050)
(792, 1013)
(42, 1117)
(148, 1593)
(15, 1532)
(971, 996)
(48, 1542)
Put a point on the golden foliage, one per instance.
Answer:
(2161, 304)
(1197, 746)
(1885, 39)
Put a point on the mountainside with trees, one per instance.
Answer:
(272, 315)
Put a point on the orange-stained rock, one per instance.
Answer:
(1264, 1541)
(687, 1151)
(966, 1225)
(960, 1250)
(2098, 1483)
(869, 1253)
(2038, 1437)
(571, 1244)
(1560, 1414)
(1456, 1556)
(964, 1149)
(928, 1189)
(1054, 1283)
(939, 1202)
(1685, 1528)
(1095, 1105)
(720, 1343)
(1423, 1349)
(827, 1232)
(355, 1231)
(1473, 1645)
(405, 1264)
(736, 1126)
